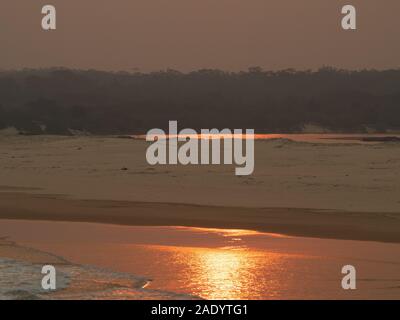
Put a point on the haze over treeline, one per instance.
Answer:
(54, 101)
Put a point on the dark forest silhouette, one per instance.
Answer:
(56, 100)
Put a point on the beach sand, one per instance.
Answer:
(335, 190)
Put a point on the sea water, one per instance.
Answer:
(123, 262)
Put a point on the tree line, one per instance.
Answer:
(56, 101)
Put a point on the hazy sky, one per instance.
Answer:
(193, 34)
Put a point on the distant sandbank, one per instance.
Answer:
(327, 190)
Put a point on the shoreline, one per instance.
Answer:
(301, 222)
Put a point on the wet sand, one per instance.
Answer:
(384, 227)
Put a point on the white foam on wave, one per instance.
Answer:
(22, 281)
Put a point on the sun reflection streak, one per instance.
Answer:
(224, 268)
(225, 273)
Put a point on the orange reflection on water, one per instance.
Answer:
(233, 232)
(224, 232)
(225, 273)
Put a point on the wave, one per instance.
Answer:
(21, 280)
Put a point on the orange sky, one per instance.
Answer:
(192, 34)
